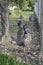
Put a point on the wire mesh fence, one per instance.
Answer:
(13, 23)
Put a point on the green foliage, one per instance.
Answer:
(22, 3)
(9, 60)
(31, 2)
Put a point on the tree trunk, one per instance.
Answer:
(4, 18)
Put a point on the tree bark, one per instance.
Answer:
(4, 18)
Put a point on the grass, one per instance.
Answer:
(9, 60)
(17, 13)
(13, 26)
